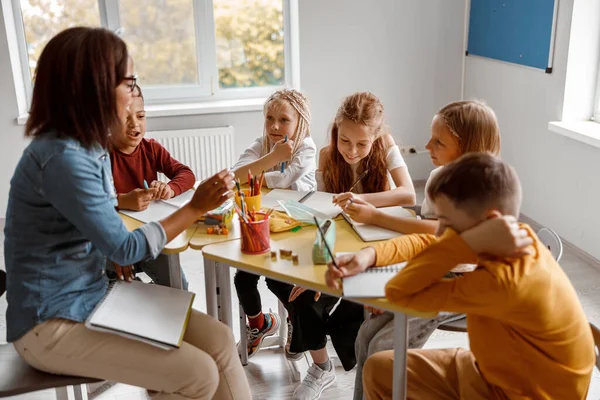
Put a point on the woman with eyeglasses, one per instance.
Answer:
(61, 227)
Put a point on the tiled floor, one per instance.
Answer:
(268, 372)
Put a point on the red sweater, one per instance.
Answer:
(130, 170)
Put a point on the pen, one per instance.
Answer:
(146, 185)
(283, 163)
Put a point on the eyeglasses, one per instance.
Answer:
(132, 80)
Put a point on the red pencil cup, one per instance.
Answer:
(256, 236)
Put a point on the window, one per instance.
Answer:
(183, 50)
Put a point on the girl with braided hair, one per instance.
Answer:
(287, 114)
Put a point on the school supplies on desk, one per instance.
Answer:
(372, 233)
(371, 283)
(254, 227)
(324, 242)
(154, 314)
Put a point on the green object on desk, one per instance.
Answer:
(320, 255)
(296, 229)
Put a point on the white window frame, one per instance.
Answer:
(596, 114)
(207, 88)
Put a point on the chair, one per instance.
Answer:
(550, 239)
(17, 377)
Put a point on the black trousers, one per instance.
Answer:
(311, 321)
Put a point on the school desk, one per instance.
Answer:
(306, 274)
(171, 250)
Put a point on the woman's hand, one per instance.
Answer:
(125, 273)
(164, 191)
(342, 198)
(213, 192)
(360, 210)
(298, 290)
(349, 265)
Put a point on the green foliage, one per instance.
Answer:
(161, 37)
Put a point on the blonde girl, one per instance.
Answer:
(287, 114)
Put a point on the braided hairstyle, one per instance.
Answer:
(298, 102)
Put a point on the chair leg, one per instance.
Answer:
(80, 392)
(62, 393)
(243, 340)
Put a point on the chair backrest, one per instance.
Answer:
(2, 282)
(552, 241)
(596, 334)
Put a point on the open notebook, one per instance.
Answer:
(371, 233)
(321, 202)
(370, 283)
(160, 209)
(153, 314)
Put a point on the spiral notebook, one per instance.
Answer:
(154, 314)
(371, 283)
(372, 233)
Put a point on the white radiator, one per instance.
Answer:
(205, 151)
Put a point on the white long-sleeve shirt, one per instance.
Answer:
(299, 173)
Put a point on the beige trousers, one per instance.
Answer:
(431, 374)
(206, 366)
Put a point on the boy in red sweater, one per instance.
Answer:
(136, 160)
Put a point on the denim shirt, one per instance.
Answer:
(61, 225)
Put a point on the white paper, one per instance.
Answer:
(371, 283)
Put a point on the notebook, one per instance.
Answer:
(370, 283)
(154, 314)
(372, 233)
(302, 205)
(271, 199)
(158, 210)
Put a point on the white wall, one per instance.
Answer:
(559, 175)
(407, 52)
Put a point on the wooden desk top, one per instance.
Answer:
(305, 273)
(175, 246)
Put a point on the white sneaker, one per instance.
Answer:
(315, 382)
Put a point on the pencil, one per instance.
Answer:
(283, 163)
(358, 180)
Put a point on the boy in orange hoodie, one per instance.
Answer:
(528, 334)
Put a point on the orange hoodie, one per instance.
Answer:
(527, 329)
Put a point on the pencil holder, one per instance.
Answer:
(252, 203)
(320, 255)
(256, 237)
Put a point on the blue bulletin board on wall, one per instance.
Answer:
(515, 31)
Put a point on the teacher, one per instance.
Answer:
(61, 227)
